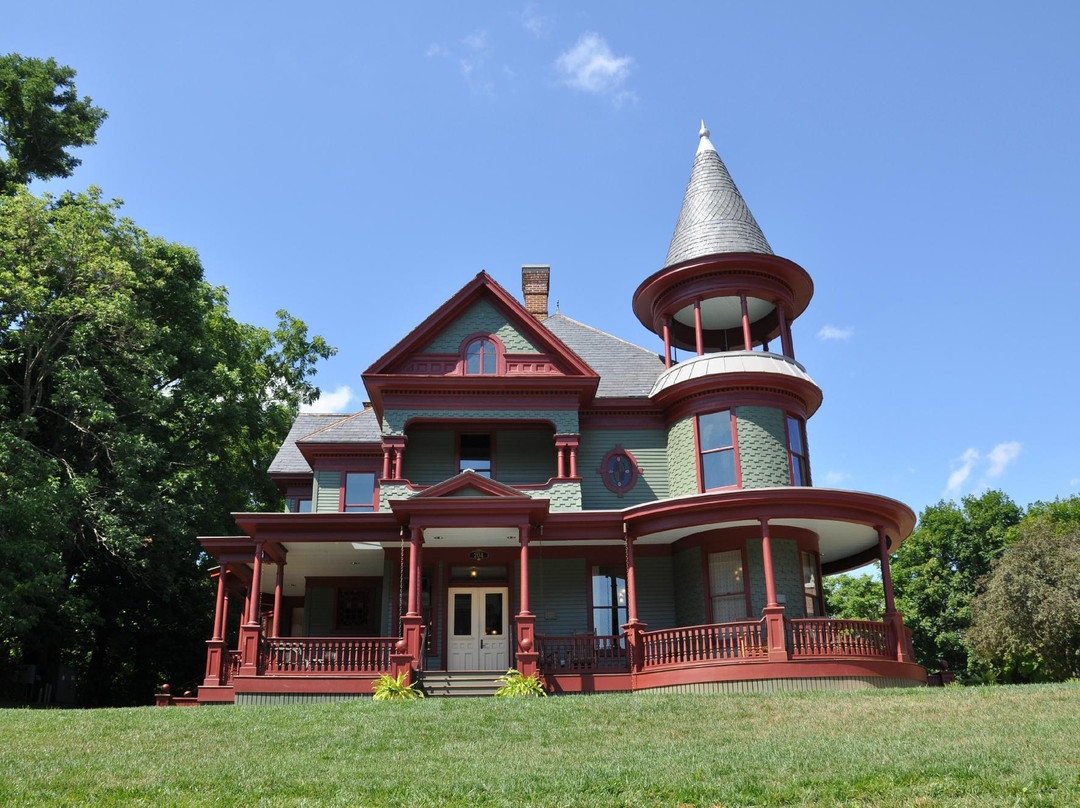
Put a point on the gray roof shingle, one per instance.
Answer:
(323, 427)
(626, 370)
(714, 218)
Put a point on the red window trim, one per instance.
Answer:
(500, 355)
(734, 448)
(792, 455)
(635, 471)
(374, 492)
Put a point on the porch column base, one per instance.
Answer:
(635, 644)
(215, 657)
(774, 629)
(401, 664)
(905, 652)
(527, 659)
(249, 649)
(163, 697)
(411, 625)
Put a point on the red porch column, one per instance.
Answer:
(215, 647)
(561, 467)
(895, 620)
(386, 462)
(699, 337)
(279, 585)
(634, 628)
(412, 621)
(667, 343)
(393, 447)
(773, 611)
(527, 656)
(747, 343)
(573, 457)
(251, 630)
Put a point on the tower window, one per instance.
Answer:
(481, 357)
(716, 444)
(800, 464)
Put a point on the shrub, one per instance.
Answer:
(391, 688)
(514, 684)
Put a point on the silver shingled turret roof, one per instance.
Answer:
(714, 218)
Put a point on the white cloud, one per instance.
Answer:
(535, 23)
(337, 401)
(590, 66)
(435, 49)
(959, 476)
(1001, 456)
(477, 40)
(833, 332)
(836, 477)
(995, 462)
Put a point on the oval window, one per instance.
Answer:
(619, 470)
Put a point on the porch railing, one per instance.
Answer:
(583, 653)
(230, 666)
(314, 655)
(816, 637)
(741, 641)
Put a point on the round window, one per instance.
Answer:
(619, 470)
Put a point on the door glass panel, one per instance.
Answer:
(493, 613)
(462, 614)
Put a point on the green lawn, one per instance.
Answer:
(928, 747)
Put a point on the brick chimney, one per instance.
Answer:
(535, 279)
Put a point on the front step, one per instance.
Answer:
(459, 684)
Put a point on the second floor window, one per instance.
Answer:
(480, 357)
(716, 443)
(476, 454)
(359, 494)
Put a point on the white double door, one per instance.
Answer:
(479, 629)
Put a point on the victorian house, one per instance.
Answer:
(526, 491)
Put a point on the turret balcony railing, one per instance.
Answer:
(326, 655)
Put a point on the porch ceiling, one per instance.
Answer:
(324, 560)
(471, 537)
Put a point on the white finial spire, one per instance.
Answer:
(705, 144)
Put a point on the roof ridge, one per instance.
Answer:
(605, 333)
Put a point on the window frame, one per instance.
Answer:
(797, 459)
(818, 596)
(710, 594)
(344, 504)
(616, 611)
(498, 350)
(635, 471)
(733, 448)
(458, 435)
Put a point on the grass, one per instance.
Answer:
(1005, 746)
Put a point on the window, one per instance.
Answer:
(716, 443)
(475, 454)
(619, 470)
(609, 599)
(727, 586)
(480, 357)
(359, 494)
(800, 465)
(811, 586)
(298, 505)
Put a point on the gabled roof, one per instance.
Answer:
(288, 460)
(626, 370)
(714, 217)
(469, 484)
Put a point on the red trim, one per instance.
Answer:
(739, 390)
(482, 336)
(635, 471)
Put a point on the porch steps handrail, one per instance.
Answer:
(738, 642)
(826, 637)
(315, 655)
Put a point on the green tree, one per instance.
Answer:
(1026, 623)
(135, 414)
(850, 597)
(936, 572)
(41, 117)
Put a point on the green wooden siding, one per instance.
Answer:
(429, 456)
(787, 570)
(557, 593)
(655, 587)
(326, 492)
(689, 581)
(763, 457)
(480, 318)
(319, 611)
(524, 456)
(682, 458)
(649, 448)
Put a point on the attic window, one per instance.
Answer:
(481, 357)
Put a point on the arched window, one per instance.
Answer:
(481, 357)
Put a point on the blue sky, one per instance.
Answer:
(357, 164)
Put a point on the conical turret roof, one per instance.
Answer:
(714, 218)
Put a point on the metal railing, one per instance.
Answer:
(715, 642)
(314, 655)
